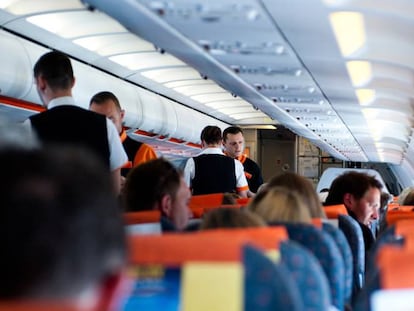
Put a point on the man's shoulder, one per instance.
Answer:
(251, 163)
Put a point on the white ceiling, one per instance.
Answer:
(250, 62)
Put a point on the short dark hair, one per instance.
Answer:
(102, 97)
(147, 183)
(61, 229)
(56, 68)
(211, 134)
(355, 183)
(231, 130)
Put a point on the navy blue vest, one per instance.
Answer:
(214, 173)
(131, 147)
(75, 126)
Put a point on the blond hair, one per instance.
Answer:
(280, 204)
(230, 218)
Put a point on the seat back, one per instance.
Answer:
(353, 234)
(306, 270)
(142, 217)
(193, 270)
(143, 222)
(268, 286)
(328, 254)
(333, 211)
(343, 245)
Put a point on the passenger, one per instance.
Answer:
(158, 185)
(408, 197)
(212, 171)
(233, 142)
(230, 198)
(361, 195)
(65, 122)
(386, 198)
(304, 189)
(107, 103)
(61, 232)
(403, 194)
(280, 204)
(230, 218)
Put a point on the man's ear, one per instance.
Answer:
(122, 114)
(166, 205)
(40, 82)
(348, 200)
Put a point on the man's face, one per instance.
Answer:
(180, 211)
(111, 111)
(366, 209)
(234, 144)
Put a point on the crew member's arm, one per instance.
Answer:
(189, 171)
(117, 155)
(144, 154)
(242, 187)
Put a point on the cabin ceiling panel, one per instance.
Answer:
(275, 61)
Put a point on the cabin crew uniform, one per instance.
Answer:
(213, 172)
(65, 122)
(136, 151)
(252, 172)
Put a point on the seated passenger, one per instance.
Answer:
(361, 195)
(61, 229)
(303, 188)
(280, 204)
(230, 218)
(212, 171)
(403, 194)
(408, 197)
(158, 185)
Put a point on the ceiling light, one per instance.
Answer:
(27, 7)
(349, 30)
(365, 96)
(360, 72)
(111, 44)
(171, 74)
(76, 24)
(140, 61)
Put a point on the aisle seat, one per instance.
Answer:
(209, 270)
(333, 211)
(174, 249)
(142, 217)
(206, 200)
(143, 222)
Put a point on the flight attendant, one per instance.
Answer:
(212, 171)
(107, 103)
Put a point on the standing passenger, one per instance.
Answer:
(212, 171)
(233, 142)
(107, 103)
(65, 122)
